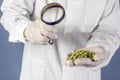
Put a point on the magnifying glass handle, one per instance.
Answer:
(51, 41)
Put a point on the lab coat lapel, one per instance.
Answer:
(94, 11)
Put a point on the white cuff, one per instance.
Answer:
(16, 34)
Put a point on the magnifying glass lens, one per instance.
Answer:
(52, 14)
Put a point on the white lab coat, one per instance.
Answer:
(87, 23)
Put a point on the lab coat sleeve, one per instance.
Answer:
(16, 16)
(107, 33)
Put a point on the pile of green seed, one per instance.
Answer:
(82, 54)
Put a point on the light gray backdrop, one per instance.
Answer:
(11, 56)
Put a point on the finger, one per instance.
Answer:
(86, 62)
(67, 56)
(50, 34)
(100, 56)
(51, 29)
(69, 62)
(40, 38)
(50, 41)
(43, 38)
(83, 61)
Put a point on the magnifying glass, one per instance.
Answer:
(48, 15)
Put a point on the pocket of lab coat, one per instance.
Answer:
(37, 68)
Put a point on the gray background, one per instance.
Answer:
(11, 56)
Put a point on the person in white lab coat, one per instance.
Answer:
(89, 24)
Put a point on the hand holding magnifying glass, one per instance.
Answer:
(42, 31)
(51, 10)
